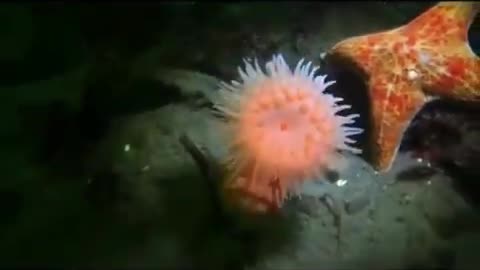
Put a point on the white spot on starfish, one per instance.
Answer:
(412, 74)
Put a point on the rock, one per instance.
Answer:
(417, 173)
(357, 204)
(190, 83)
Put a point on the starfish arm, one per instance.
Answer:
(392, 112)
(440, 35)
(456, 78)
(445, 18)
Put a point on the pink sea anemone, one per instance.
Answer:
(283, 129)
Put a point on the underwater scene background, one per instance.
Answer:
(112, 155)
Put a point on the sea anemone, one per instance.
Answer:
(283, 129)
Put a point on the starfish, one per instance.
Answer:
(408, 66)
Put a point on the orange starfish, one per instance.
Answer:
(407, 66)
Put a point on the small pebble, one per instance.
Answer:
(341, 182)
(406, 199)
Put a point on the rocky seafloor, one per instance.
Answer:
(409, 217)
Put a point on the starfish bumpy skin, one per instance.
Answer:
(283, 129)
(408, 66)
